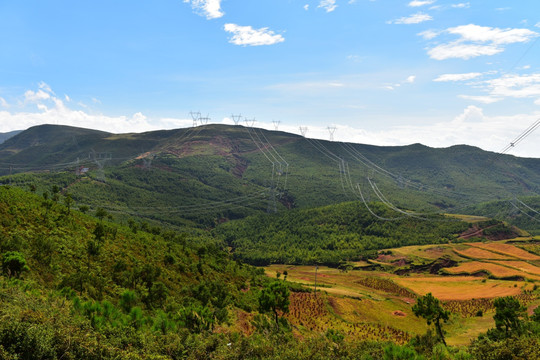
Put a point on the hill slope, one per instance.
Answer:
(209, 174)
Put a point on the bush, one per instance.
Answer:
(13, 264)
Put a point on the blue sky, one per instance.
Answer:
(386, 72)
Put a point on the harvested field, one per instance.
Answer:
(506, 249)
(477, 253)
(460, 287)
(496, 270)
(521, 265)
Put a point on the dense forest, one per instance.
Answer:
(335, 234)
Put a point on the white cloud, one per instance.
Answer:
(3, 102)
(246, 35)
(537, 102)
(463, 128)
(36, 96)
(45, 87)
(68, 99)
(328, 5)
(457, 77)
(416, 3)
(497, 36)
(211, 9)
(481, 99)
(355, 58)
(461, 5)
(517, 86)
(508, 86)
(306, 7)
(412, 19)
(462, 51)
(537, 25)
(52, 110)
(429, 34)
(475, 40)
(409, 80)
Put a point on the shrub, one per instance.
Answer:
(13, 264)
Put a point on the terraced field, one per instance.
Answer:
(506, 249)
(465, 277)
(493, 269)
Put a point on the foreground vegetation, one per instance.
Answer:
(75, 286)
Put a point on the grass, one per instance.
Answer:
(429, 252)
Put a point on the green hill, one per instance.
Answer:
(7, 135)
(210, 174)
(77, 287)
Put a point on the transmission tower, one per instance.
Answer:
(204, 120)
(331, 130)
(236, 118)
(303, 130)
(100, 159)
(272, 203)
(195, 116)
(276, 124)
(250, 122)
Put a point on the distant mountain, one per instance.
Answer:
(5, 136)
(213, 173)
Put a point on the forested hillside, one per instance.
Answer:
(75, 286)
(209, 174)
(78, 287)
(336, 234)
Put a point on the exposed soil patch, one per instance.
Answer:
(432, 268)
(399, 313)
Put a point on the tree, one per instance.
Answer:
(429, 308)
(274, 297)
(508, 311)
(101, 213)
(68, 200)
(13, 263)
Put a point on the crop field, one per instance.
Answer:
(498, 271)
(478, 253)
(461, 287)
(521, 265)
(363, 302)
(351, 317)
(506, 249)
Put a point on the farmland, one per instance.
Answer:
(384, 293)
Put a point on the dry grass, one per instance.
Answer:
(430, 252)
(506, 249)
(468, 218)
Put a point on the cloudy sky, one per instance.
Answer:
(386, 72)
